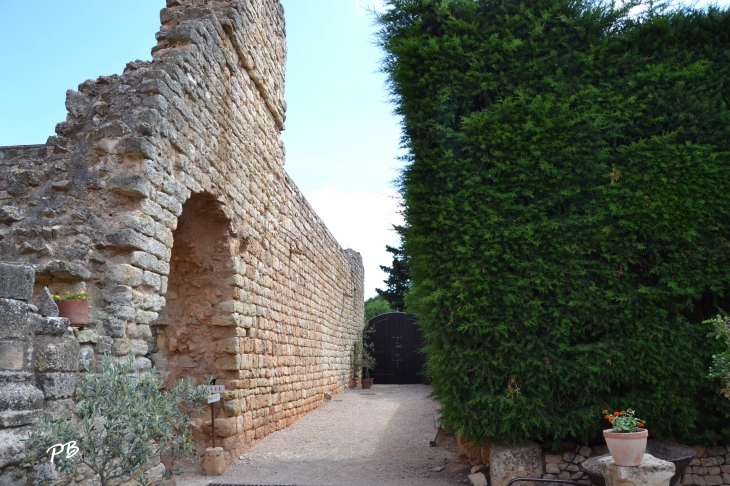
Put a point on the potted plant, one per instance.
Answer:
(368, 362)
(74, 306)
(362, 358)
(626, 440)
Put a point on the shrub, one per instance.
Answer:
(124, 422)
(720, 368)
(375, 306)
(567, 210)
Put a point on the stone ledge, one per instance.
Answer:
(651, 472)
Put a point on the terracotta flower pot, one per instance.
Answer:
(77, 311)
(367, 383)
(626, 448)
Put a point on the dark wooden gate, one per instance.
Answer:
(397, 343)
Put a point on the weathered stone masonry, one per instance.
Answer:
(164, 195)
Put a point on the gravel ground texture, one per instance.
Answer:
(375, 437)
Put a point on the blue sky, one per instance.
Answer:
(341, 138)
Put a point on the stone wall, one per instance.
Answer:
(164, 196)
(39, 363)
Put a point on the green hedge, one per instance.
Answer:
(567, 202)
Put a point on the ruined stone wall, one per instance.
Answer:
(164, 196)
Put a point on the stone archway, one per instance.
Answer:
(199, 294)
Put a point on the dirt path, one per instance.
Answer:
(376, 437)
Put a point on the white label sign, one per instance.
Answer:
(216, 388)
(216, 397)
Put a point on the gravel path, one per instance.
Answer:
(376, 437)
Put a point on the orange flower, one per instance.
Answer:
(616, 414)
(640, 424)
(605, 412)
(610, 419)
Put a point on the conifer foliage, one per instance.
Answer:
(567, 206)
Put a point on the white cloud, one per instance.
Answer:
(364, 7)
(364, 222)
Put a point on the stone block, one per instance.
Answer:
(17, 320)
(87, 358)
(125, 274)
(122, 312)
(508, 462)
(138, 331)
(87, 336)
(59, 409)
(224, 427)
(234, 408)
(12, 476)
(12, 354)
(15, 418)
(104, 346)
(115, 327)
(133, 185)
(47, 306)
(711, 461)
(230, 346)
(138, 347)
(142, 363)
(145, 317)
(145, 261)
(118, 294)
(16, 281)
(64, 270)
(120, 346)
(54, 326)
(136, 147)
(56, 353)
(77, 103)
(478, 479)
(11, 214)
(57, 385)
(214, 463)
(151, 279)
(20, 396)
(129, 238)
(651, 472)
(553, 459)
(716, 451)
(12, 446)
(114, 129)
(169, 203)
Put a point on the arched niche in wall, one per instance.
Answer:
(198, 315)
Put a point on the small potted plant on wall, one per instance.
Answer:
(626, 440)
(74, 306)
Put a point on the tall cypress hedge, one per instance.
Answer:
(567, 200)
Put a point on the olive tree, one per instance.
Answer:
(125, 420)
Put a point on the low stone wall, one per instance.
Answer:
(711, 467)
